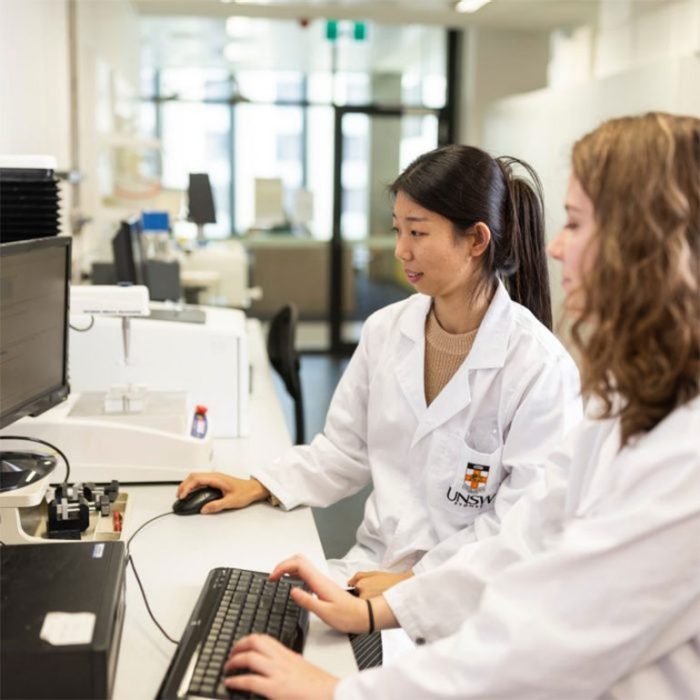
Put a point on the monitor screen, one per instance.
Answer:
(34, 296)
(126, 248)
(201, 199)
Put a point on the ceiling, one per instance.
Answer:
(505, 14)
(291, 35)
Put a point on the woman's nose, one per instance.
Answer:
(401, 250)
(555, 247)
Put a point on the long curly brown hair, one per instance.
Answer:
(639, 330)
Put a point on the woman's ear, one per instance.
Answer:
(480, 239)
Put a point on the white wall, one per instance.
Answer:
(35, 104)
(34, 96)
(497, 63)
(108, 80)
(632, 70)
(34, 100)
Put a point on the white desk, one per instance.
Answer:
(174, 554)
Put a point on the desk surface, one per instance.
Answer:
(174, 554)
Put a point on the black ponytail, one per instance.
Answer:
(466, 185)
(522, 262)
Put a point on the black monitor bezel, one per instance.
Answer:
(132, 229)
(58, 393)
(201, 207)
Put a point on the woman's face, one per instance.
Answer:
(435, 261)
(572, 246)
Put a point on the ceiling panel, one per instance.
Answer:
(507, 14)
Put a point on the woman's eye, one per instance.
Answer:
(571, 225)
(416, 234)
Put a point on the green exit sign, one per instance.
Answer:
(335, 29)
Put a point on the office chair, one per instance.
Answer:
(285, 359)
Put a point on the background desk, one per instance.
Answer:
(174, 554)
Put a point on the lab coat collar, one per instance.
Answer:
(412, 323)
(488, 351)
(490, 344)
(410, 369)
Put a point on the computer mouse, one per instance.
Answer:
(192, 503)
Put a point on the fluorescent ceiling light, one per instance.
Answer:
(470, 5)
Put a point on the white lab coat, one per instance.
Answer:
(514, 397)
(590, 590)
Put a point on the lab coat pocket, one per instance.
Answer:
(474, 480)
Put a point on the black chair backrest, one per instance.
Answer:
(284, 358)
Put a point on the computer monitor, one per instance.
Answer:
(200, 203)
(200, 199)
(126, 248)
(34, 296)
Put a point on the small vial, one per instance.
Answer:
(199, 422)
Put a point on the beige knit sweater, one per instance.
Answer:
(444, 353)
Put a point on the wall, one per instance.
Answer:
(34, 90)
(34, 100)
(35, 104)
(496, 64)
(639, 57)
(108, 79)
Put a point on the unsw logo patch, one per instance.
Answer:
(475, 477)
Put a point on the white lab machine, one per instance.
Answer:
(153, 445)
(221, 268)
(119, 429)
(208, 361)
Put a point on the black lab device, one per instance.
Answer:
(68, 518)
(61, 616)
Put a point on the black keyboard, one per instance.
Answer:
(232, 604)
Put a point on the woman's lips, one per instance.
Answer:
(413, 277)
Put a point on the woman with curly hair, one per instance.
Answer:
(599, 595)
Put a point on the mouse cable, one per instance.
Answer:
(130, 560)
(42, 442)
(142, 525)
(148, 607)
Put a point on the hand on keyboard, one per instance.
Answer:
(233, 604)
(278, 672)
(335, 606)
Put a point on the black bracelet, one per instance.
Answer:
(371, 617)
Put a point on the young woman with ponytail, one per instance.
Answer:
(454, 396)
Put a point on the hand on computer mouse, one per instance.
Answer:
(237, 493)
(194, 502)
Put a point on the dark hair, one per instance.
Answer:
(466, 186)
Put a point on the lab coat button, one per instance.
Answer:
(420, 641)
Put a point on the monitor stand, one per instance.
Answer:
(11, 529)
(19, 468)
